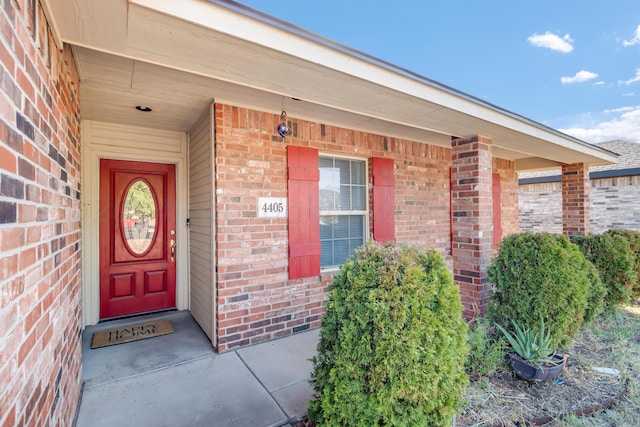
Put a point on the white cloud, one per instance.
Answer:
(619, 110)
(552, 41)
(634, 40)
(581, 76)
(629, 94)
(624, 126)
(634, 79)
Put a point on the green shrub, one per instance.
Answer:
(393, 342)
(633, 238)
(597, 294)
(539, 275)
(615, 262)
(486, 350)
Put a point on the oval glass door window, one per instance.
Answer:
(139, 217)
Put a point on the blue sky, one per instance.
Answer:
(571, 65)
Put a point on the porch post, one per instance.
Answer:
(575, 199)
(472, 220)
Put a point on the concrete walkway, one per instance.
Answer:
(177, 380)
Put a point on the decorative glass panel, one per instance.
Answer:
(139, 217)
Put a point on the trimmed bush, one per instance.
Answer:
(393, 342)
(615, 262)
(633, 238)
(597, 294)
(539, 275)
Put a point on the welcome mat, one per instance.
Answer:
(131, 333)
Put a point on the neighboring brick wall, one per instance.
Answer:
(40, 281)
(541, 207)
(615, 203)
(256, 301)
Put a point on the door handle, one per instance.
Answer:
(172, 248)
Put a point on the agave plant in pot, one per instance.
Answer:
(533, 357)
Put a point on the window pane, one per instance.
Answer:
(326, 227)
(356, 226)
(345, 170)
(345, 198)
(355, 244)
(329, 186)
(357, 173)
(340, 251)
(326, 254)
(359, 198)
(341, 230)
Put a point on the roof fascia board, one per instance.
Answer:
(614, 173)
(234, 19)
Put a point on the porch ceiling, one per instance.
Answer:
(176, 57)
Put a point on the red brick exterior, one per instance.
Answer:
(509, 195)
(472, 231)
(256, 300)
(575, 199)
(40, 282)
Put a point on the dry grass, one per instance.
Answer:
(612, 341)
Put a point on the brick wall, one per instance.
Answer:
(256, 300)
(40, 345)
(509, 196)
(575, 199)
(615, 203)
(472, 227)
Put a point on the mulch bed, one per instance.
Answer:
(502, 399)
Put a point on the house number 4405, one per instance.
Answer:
(272, 207)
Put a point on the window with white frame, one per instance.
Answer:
(343, 208)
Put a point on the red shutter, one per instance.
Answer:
(383, 200)
(304, 212)
(496, 194)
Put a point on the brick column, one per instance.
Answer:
(472, 220)
(575, 199)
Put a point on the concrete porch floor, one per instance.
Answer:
(177, 379)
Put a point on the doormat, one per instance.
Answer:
(131, 333)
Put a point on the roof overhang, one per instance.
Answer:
(179, 56)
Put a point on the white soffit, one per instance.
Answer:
(249, 59)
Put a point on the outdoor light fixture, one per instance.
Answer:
(283, 129)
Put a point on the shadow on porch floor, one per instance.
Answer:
(178, 380)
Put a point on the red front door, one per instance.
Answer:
(137, 237)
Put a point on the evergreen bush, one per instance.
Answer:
(597, 294)
(393, 342)
(539, 275)
(615, 262)
(633, 238)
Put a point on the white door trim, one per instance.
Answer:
(108, 140)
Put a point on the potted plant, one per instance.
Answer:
(532, 357)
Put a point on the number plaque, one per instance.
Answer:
(272, 207)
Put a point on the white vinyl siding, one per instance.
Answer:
(201, 230)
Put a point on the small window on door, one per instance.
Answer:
(343, 208)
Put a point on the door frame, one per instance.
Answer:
(106, 140)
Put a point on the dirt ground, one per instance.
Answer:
(610, 399)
